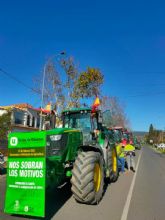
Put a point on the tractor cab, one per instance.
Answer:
(118, 133)
(83, 119)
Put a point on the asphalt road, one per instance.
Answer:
(135, 196)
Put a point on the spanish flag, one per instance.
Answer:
(48, 107)
(95, 104)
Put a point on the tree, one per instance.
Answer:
(59, 84)
(5, 125)
(89, 82)
(72, 87)
(155, 135)
(117, 116)
(151, 130)
(70, 82)
(53, 87)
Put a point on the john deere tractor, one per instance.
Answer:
(96, 157)
(118, 133)
(82, 150)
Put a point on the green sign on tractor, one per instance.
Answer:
(82, 150)
(26, 174)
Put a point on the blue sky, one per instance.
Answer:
(124, 39)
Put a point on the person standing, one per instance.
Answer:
(129, 151)
(121, 157)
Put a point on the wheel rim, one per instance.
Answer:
(114, 161)
(97, 177)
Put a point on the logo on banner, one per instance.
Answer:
(14, 141)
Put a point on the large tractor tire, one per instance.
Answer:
(88, 177)
(113, 164)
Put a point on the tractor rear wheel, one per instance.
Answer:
(88, 177)
(113, 164)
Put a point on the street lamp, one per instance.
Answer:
(43, 85)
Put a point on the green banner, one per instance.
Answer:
(26, 172)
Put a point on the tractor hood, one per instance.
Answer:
(35, 139)
(61, 131)
(60, 141)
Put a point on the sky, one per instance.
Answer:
(124, 39)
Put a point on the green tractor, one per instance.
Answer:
(83, 150)
(136, 143)
(118, 134)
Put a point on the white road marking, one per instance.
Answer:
(129, 196)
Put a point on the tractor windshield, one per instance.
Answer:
(78, 120)
(117, 135)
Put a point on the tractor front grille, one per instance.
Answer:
(56, 147)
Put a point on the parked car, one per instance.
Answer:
(161, 146)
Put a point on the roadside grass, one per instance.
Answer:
(162, 151)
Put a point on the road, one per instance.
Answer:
(135, 196)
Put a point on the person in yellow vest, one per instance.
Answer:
(129, 151)
(121, 157)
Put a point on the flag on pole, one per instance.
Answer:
(48, 107)
(95, 104)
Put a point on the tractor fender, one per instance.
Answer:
(104, 148)
(94, 148)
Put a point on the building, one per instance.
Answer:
(24, 117)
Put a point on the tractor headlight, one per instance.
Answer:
(56, 137)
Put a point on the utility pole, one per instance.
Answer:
(42, 95)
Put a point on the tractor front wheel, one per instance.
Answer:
(88, 177)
